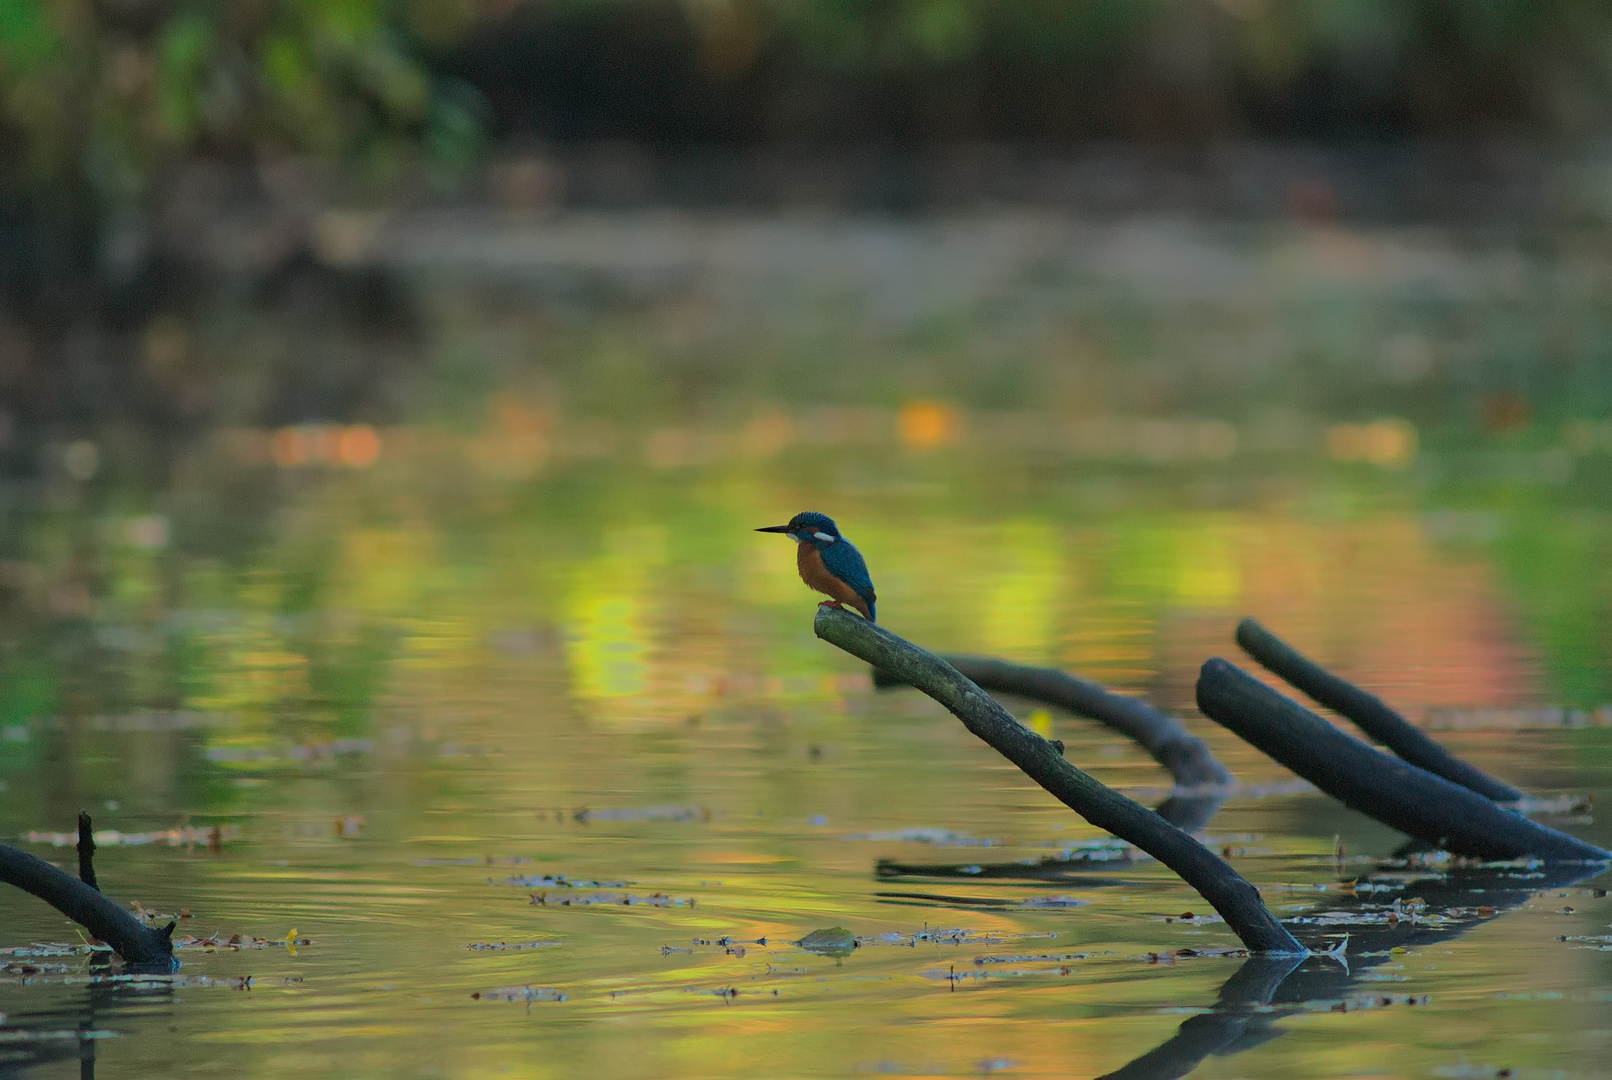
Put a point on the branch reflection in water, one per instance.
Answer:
(1268, 988)
(72, 1029)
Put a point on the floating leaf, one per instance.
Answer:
(834, 941)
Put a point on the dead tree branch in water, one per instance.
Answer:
(1363, 778)
(140, 946)
(1368, 712)
(1227, 891)
(1188, 758)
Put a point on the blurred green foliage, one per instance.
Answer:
(106, 92)
(1554, 49)
(1277, 37)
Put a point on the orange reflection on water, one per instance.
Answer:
(356, 446)
(925, 424)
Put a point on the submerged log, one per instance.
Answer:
(81, 900)
(1395, 792)
(1367, 711)
(1227, 891)
(1189, 759)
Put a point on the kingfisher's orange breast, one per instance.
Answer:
(809, 561)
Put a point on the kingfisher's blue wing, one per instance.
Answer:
(845, 562)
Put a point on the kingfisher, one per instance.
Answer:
(828, 562)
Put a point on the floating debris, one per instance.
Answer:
(934, 935)
(179, 982)
(622, 900)
(952, 975)
(236, 941)
(21, 1035)
(485, 860)
(1383, 917)
(519, 993)
(645, 813)
(1599, 943)
(1496, 719)
(157, 918)
(179, 836)
(158, 721)
(1170, 956)
(512, 945)
(931, 836)
(1038, 958)
(21, 968)
(45, 950)
(1571, 804)
(556, 881)
(237, 755)
(1363, 1002)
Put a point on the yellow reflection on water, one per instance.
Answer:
(609, 633)
(1025, 589)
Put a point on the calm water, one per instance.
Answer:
(522, 735)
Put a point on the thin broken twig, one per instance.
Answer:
(86, 852)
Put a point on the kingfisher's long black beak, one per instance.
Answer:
(775, 528)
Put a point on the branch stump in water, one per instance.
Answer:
(86, 852)
(140, 946)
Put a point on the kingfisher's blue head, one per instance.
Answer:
(819, 529)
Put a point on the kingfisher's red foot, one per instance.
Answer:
(832, 603)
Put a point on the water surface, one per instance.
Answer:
(504, 716)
